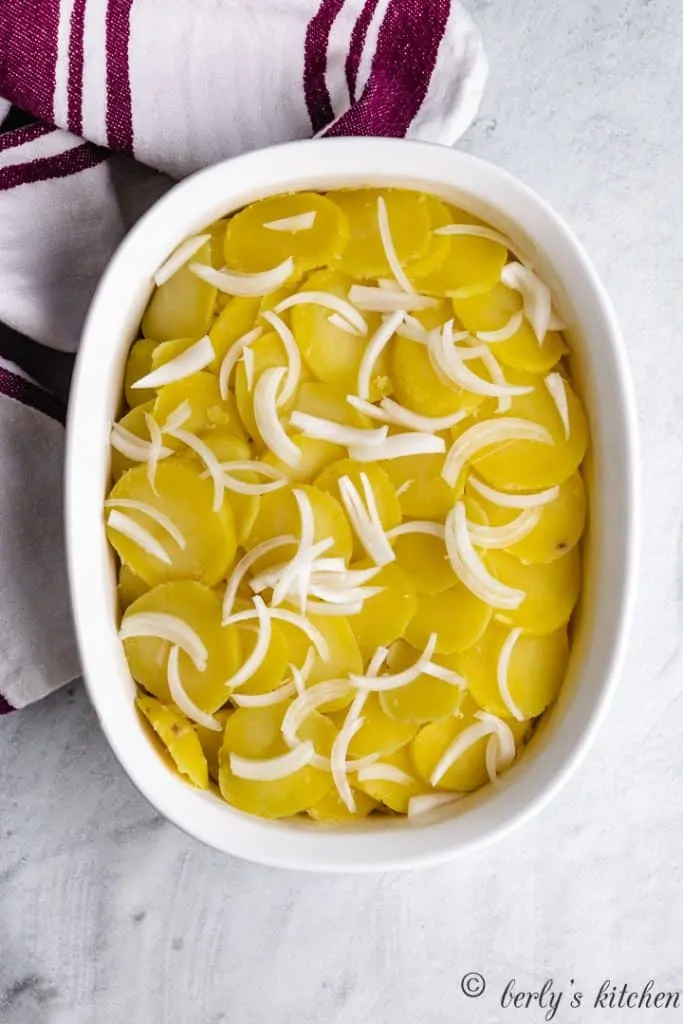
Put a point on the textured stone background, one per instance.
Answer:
(109, 915)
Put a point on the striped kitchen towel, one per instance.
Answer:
(103, 103)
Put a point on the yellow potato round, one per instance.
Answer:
(186, 499)
(333, 809)
(439, 245)
(551, 588)
(236, 319)
(200, 608)
(212, 741)
(425, 698)
(130, 587)
(472, 265)
(344, 654)
(256, 733)
(251, 247)
(455, 615)
(425, 560)
(182, 307)
(364, 255)
(492, 310)
(427, 495)
(138, 365)
(315, 456)
(271, 673)
(418, 387)
(379, 734)
(535, 672)
(384, 617)
(395, 795)
(178, 737)
(208, 409)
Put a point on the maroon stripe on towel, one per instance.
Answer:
(28, 393)
(119, 101)
(316, 94)
(5, 706)
(75, 79)
(405, 57)
(28, 48)
(80, 158)
(356, 44)
(21, 135)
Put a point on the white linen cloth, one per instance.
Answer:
(124, 96)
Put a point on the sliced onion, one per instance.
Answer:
(233, 356)
(303, 557)
(481, 231)
(380, 772)
(445, 675)
(557, 390)
(450, 361)
(404, 487)
(245, 284)
(336, 433)
(400, 445)
(333, 594)
(208, 458)
(500, 537)
(508, 330)
(389, 247)
(513, 500)
(535, 296)
(380, 684)
(470, 569)
(374, 349)
(130, 528)
(502, 673)
(379, 300)
(497, 376)
(484, 435)
(308, 701)
(157, 442)
(288, 340)
(299, 222)
(244, 565)
(463, 742)
(278, 480)
(556, 322)
(258, 654)
(338, 757)
(249, 364)
(365, 520)
(412, 329)
(287, 575)
(336, 303)
(299, 621)
(376, 662)
(266, 700)
(267, 420)
(269, 769)
(178, 417)
(182, 699)
(192, 360)
(417, 526)
(162, 626)
(339, 576)
(179, 257)
(338, 321)
(501, 753)
(133, 447)
(425, 803)
(403, 417)
(389, 284)
(149, 510)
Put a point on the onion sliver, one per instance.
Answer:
(162, 626)
(179, 257)
(308, 701)
(513, 500)
(157, 443)
(269, 769)
(380, 772)
(373, 350)
(245, 284)
(133, 447)
(418, 526)
(178, 417)
(267, 420)
(233, 356)
(181, 698)
(469, 568)
(338, 757)
(336, 303)
(249, 364)
(412, 329)
(380, 684)
(265, 700)
(148, 510)
(293, 351)
(379, 300)
(535, 296)
(508, 330)
(338, 321)
(463, 742)
(424, 803)
(209, 459)
(130, 528)
(557, 390)
(399, 445)
(299, 621)
(450, 361)
(500, 537)
(365, 520)
(299, 222)
(303, 556)
(481, 231)
(502, 673)
(504, 748)
(486, 434)
(402, 417)
(244, 565)
(446, 675)
(336, 433)
(389, 247)
(255, 659)
(192, 360)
